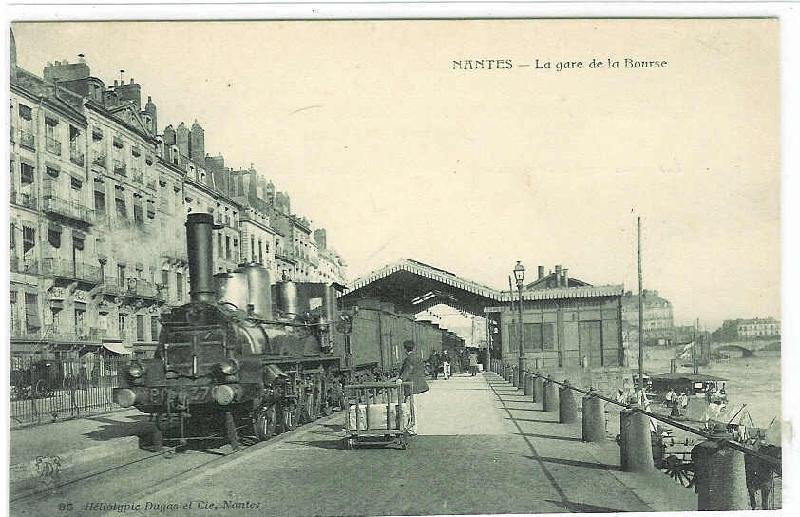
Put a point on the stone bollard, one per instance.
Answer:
(567, 410)
(526, 384)
(514, 377)
(593, 420)
(538, 389)
(719, 477)
(635, 443)
(550, 398)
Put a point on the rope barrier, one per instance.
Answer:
(733, 444)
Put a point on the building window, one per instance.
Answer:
(25, 112)
(100, 203)
(54, 237)
(138, 212)
(121, 275)
(122, 326)
(153, 328)
(28, 239)
(32, 322)
(253, 248)
(179, 286)
(122, 211)
(227, 247)
(80, 316)
(26, 173)
(260, 253)
(219, 241)
(139, 327)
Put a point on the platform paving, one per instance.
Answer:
(483, 447)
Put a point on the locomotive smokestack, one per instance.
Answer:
(199, 247)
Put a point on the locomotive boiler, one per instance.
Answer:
(249, 357)
(242, 354)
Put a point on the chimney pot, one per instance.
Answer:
(131, 80)
(541, 272)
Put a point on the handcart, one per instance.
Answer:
(379, 413)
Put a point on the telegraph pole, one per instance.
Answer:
(641, 316)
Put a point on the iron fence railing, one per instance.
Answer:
(46, 390)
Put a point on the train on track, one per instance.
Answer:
(249, 357)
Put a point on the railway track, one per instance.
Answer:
(131, 475)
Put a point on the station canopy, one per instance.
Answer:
(414, 287)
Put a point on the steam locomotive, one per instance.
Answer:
(246, 356)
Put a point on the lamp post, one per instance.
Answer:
(519, 276)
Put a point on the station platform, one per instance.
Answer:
(482, 448)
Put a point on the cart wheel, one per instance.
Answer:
(682, 472)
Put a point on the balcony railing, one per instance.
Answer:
(77, 156)
(143, 289)
(26, 139)
(61, 268)
(100, 160)
(53, 146)
(111, 286)
(70, 209)
(21, 265)
(120, 168)
(23, 199)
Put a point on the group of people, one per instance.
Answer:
(676, 403)
(441, 362)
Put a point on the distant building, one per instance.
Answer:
(657, 318)
(748, 329)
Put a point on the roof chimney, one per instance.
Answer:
(81, 58)
(541, 272)
(566, 277)
(558, 275)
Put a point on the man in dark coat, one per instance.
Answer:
(435, 363)
(413, 371)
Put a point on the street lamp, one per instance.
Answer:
(519, 276)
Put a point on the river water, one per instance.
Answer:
(754, 381)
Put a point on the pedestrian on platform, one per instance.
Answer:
(669, 398)
(446, 365)
(684, 402)
(413, 371)
(473, 364)
(435, 362)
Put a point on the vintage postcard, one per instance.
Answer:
(394, 267)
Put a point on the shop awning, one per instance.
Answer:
(117, 348)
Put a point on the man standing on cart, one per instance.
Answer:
(414, 372)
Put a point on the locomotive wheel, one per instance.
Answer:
(265, 422)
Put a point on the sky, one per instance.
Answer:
(380, 140)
